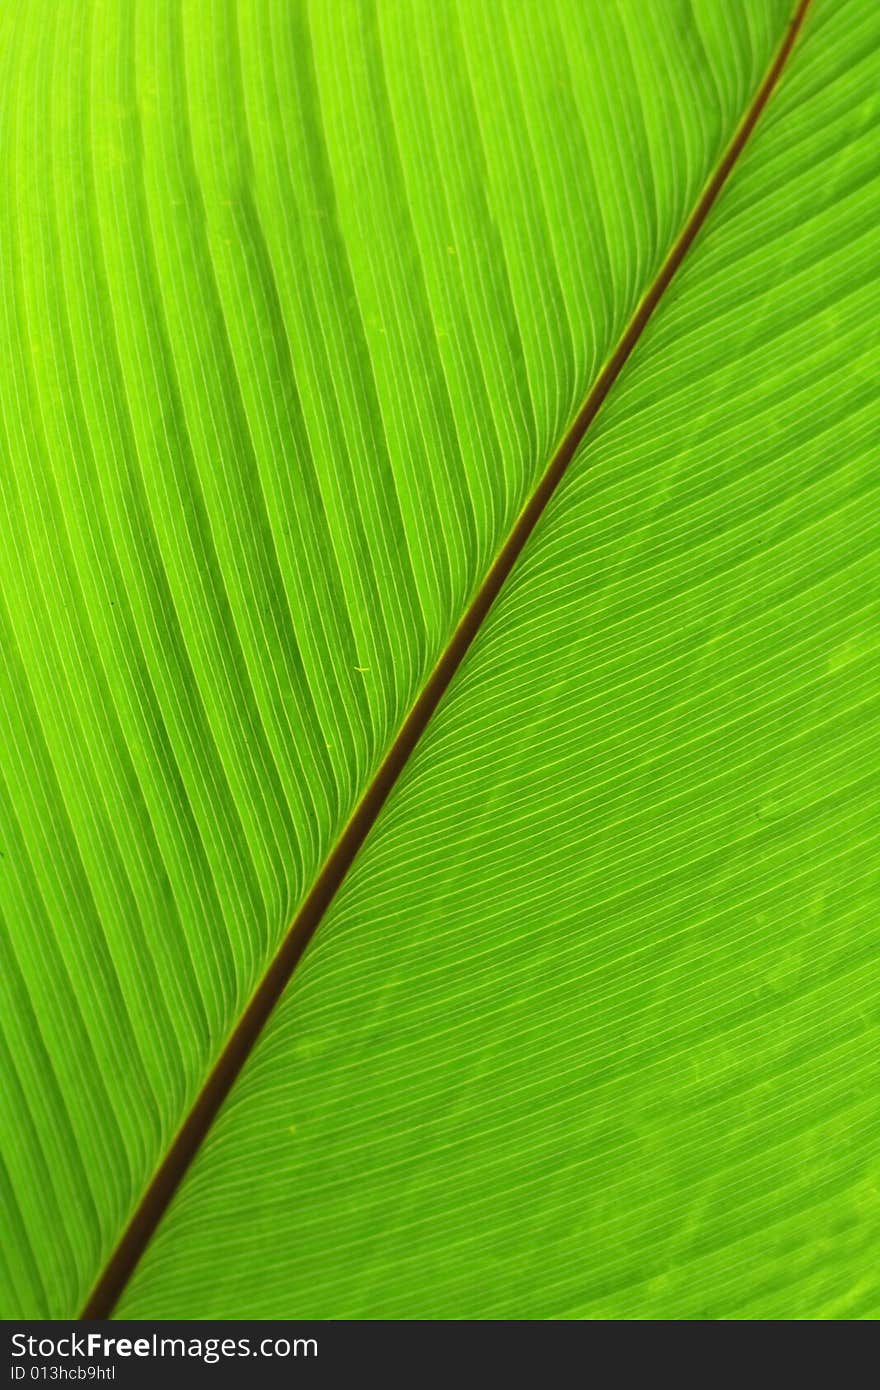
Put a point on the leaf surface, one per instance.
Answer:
(297, 303)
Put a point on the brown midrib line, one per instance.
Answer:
(187, 1142)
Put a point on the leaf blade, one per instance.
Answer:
(171, 793)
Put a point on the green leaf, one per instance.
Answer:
(298, 302)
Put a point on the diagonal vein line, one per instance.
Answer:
(192, 1132)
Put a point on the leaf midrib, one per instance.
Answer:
(241, 1041)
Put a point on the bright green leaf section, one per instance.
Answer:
(593, 1027)
(295, 302)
